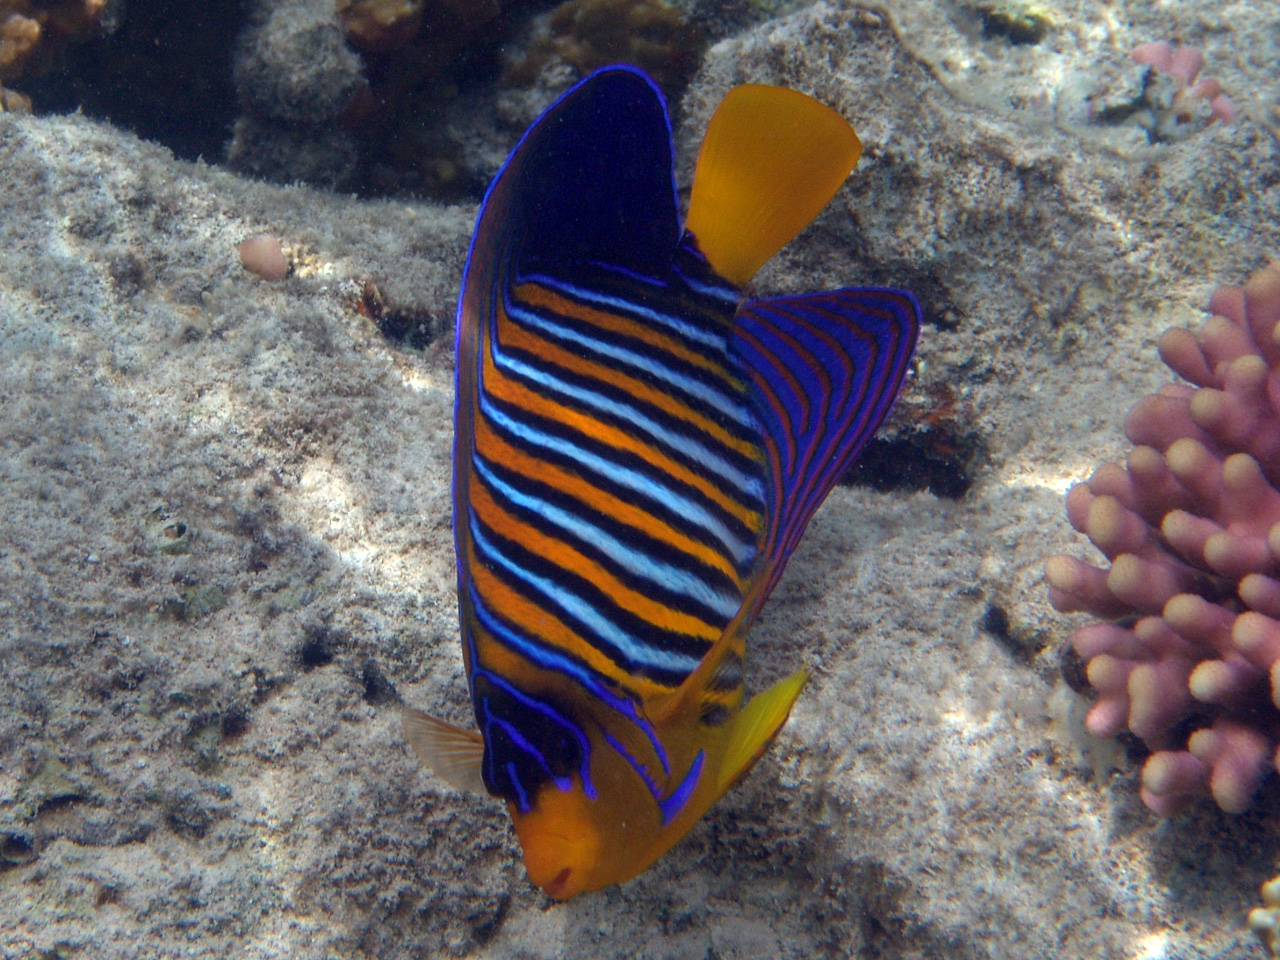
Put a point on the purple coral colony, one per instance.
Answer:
(1187, 656)
(1191, 601)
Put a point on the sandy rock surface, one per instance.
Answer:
(225, 549)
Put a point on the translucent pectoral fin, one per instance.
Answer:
(757, 724)
(453, 753)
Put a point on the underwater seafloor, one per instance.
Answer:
(225, 550)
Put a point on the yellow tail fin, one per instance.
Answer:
(757, 724)
(771, 160)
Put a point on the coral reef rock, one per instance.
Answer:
(588, 34)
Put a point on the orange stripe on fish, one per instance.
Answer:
(494, 447)
(519, 395)
(536, 295)
(513, 337)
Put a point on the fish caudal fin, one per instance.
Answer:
(453, 753)
(757, 724)
(771, 160)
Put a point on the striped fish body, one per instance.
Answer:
(637, 452)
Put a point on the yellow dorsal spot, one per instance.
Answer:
(771, 160)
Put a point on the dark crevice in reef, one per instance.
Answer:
(932, 459)
(378, 690)
(15, 850)
(164, 72)
(319, 646)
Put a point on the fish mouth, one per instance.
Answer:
(556, 888)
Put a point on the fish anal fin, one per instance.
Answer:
(771, 160)
(757, 724)
(453, 754)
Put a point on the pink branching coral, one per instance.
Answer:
(1163, 94)
(1190, 660)
(1184, 64)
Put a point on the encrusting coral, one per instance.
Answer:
(30, 30)
(1163, 94)
(380, 24)
(420, 121)
(1265, 920)
(418, 56)
(587, 34)
(1183, 65)
(1189, 658)
(27, 27)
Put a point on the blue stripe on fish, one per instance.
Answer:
(623, 646)
(673, 804)
(674, 324)
(653, 366)
(661, 434)
(660, 576)
(660, 498)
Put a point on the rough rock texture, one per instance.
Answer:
(294, 74)
(225, 549)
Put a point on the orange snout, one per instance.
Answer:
(560, 842)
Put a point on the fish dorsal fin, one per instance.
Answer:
(453, 754)
(825, 368)
(771, 160)
(757, 724)
(592, 179)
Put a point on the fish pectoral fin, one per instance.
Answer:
(771, 160)
(453, 753)
(682, 705)
(757, 724)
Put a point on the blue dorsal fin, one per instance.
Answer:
(825, 368)
(593, 179)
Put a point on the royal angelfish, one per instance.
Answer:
(638, 450)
